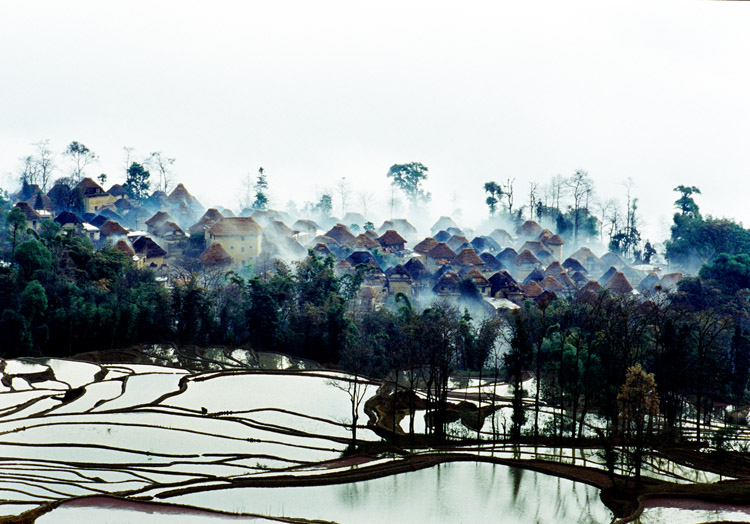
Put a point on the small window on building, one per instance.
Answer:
(242, 238)
(243, 249)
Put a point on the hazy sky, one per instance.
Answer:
(316, 91)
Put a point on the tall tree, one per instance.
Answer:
(163, 166)
(80, 156)
(580, 186)
(639, 405)
(494, 192)
(409, 178)
(137, 182)
(261, 190)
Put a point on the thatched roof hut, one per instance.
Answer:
(468, 257)
(363, 241)
(425, 245)
(417, 269)
(589, 260)
(442, 236)
(619, 284)
(529, 229)
(532, 289)
(341, 234)
(215, 255)
(235, 226)
(536, 275)
(550, 283)
(442, 252)
(124, 246)
(491, 263)
(392, 240)
(502, 237)
(112, 228)
(443, 223)
(507, 256)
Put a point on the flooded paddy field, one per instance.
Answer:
(206, 446)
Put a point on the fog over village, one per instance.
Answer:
(409, 262)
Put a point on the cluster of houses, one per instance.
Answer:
(507, 268)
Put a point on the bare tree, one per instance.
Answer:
(344, 191)
(580, 187)
(558, 189)
(128, 157)
(365, 198)
(80, 157)
(533, 189)
(38, 167)
(508, 194)
(29, 171)
(163, 166)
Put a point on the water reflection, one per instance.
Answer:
(449, 493)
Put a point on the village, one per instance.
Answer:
(177, 237)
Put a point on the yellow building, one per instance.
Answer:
(239, 236)
(93, 196)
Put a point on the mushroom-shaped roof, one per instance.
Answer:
(343, 267)
(398, 272)
(456, 241)
(526, 258)
(442, 236)
(442, 252)
(448, 282)
(146, 246)
(507, 256)
(215, 255)
(362, 257)
(648, 284)
(587, 257)
(555, 269)
(503, 281)
(529, 229)
(555, 240)
(579, 277)
(372, 234)
(341, 234)
(478, 278)
(417, 269)
(502, 237)
(168, 228)
(31, 214)
(322, 250)
(363, 241)
(492, 263)
(607, 275)
(468, 257)
(124, 246)
(550, 283)
(532, 289)
(112, 228)
(66, 217)
(235, 226)
(425, 245)
(591, 286)
(391, 238)
(613, 259)
(277, 228)
(324, 239)
(158, 218)
(405, 227)
(536, 275)
(619, 284)
(571, 264)
(117, 191)
(305, 226)
(443, 223)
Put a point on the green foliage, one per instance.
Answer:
(261, 189)
(32, 256)
(687, 206)
(137, 181)
(731, 272)
(409, 178)
(324, 206)
(494, 192)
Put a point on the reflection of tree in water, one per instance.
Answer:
(516, 475)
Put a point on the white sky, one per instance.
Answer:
(315, 91)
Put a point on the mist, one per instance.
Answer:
(317, 93)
